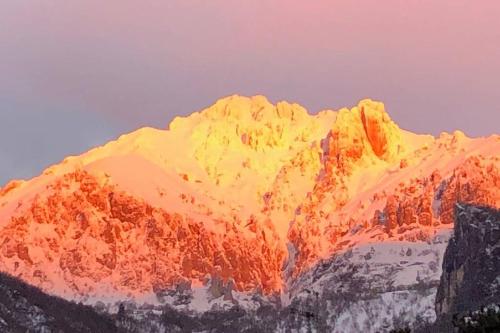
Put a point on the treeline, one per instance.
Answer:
(24, 308)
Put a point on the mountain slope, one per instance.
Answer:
(24, 308)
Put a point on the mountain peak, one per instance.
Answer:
(364, 132)
(254, 108)
(382, 133)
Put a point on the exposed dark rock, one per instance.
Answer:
(24, 308)
(471, 264)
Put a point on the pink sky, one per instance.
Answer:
(124, 64)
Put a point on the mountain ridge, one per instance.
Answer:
(243, 197)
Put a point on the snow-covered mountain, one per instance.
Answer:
(254, 204)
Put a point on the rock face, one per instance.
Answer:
(366, 131)
(278, 207)
(99, 234)
(471, 265)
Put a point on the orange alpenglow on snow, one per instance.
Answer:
(244, 192)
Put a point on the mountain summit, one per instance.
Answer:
(249, 198)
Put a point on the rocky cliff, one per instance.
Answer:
(471, 264)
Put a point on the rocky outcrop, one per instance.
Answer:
(431, 200)
(471, 265)
(476, 181)
(217, 287)
(383, 134)
(366, 131)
